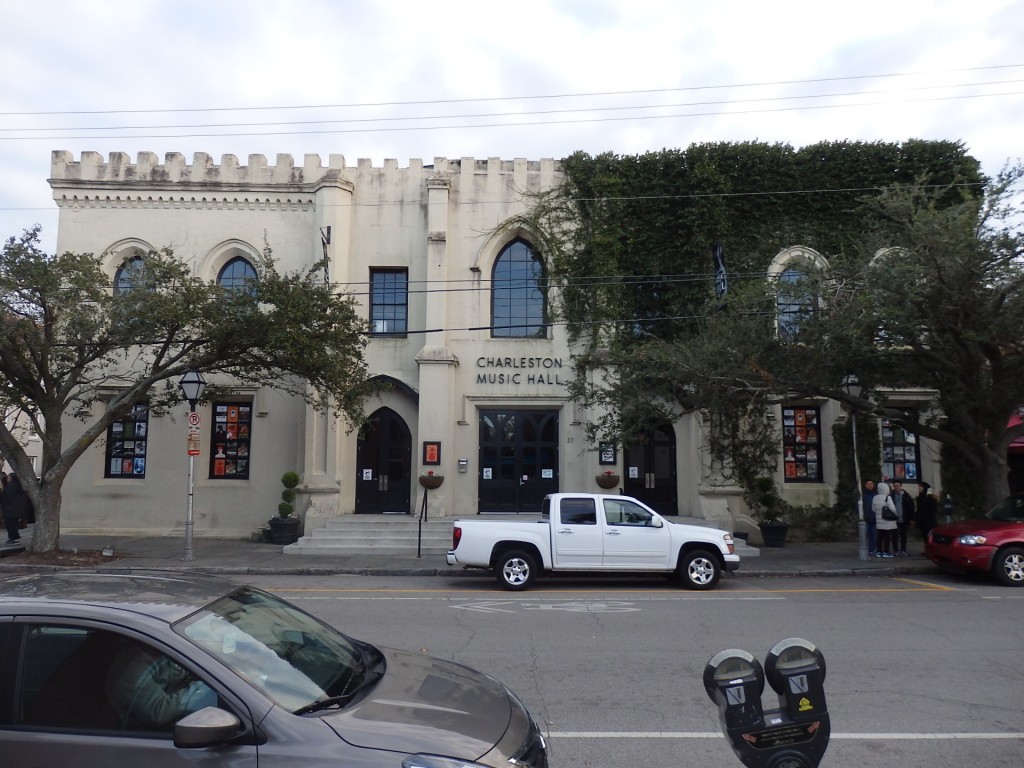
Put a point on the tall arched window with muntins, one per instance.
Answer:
(130, 275)
(794, 301)
(518, 307)
(238, 276)
(795, 274)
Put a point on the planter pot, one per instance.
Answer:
(607, 481)
(774, 534)
(431, 481)
(284, 530)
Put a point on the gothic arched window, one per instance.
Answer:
(518, 307)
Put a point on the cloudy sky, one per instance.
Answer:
(533, 78)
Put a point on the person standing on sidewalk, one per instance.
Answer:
(16, 507)
(904, 514)
(886, 528)
(927, 509)
(869, 516)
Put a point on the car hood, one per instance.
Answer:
(976, 525)
(423, 704)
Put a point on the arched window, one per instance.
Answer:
(238, 276)
(794, 302)
(130, 275)
(795, 274)
(517, 295)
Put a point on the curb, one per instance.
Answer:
(227, 570)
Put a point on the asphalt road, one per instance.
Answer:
(921, 672)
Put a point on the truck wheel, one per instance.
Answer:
(1009, 567)
(515, 570)
(699, 569)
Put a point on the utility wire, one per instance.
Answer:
(566, 111)
(514, 124)
(517, 98)
(623, 198)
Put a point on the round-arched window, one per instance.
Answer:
(238, 276)
(518, 307)
(130, 275)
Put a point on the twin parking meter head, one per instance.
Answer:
(793, 736)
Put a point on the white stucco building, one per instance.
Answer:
(457, 321)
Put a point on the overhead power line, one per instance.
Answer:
(485, 99)
(514, 124)
(631, 198)
(560, 111)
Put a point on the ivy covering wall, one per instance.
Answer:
(629, 241)
(659, 214)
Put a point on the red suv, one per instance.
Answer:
(992, 543)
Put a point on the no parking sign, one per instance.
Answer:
(193, 433)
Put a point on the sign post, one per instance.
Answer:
(192, 385)
(194, 423)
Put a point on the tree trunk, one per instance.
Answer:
(996, 479)
(55, 466)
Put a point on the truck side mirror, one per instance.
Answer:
(796, 734)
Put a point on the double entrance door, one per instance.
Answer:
(518, 459)
(650, 470)
(384, 465)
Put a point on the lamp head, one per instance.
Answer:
(192, 385)
(851, 385)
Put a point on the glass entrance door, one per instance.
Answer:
(384, 465)
(518, 460)
(650, 470)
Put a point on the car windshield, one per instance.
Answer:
(1010, 509)
(297, 661)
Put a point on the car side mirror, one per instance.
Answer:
(208, 727)
(657, 522)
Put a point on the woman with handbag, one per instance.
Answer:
(885, 520)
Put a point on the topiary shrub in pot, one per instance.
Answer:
(284, 529)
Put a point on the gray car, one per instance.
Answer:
(159, 668)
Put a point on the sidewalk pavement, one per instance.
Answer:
(243, 557)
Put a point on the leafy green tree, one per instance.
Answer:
(628, 243)
(64, 334)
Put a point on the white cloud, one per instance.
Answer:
(184, 54)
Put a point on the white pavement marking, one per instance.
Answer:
(844, 736)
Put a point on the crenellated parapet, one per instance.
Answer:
(119, 170)
(94, 181)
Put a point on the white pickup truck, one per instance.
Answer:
(592, 532)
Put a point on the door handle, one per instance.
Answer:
(568, 531)
(612, 532)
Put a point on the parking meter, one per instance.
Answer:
(735, 681)
(793, 736)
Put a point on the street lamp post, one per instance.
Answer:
(851, 385)
(192, 385)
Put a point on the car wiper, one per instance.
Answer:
(325, 703)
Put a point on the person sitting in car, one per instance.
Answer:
(150, 691)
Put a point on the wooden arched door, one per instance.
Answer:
(384, 465)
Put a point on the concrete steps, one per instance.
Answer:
(375, 535)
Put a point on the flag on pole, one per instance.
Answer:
(721, 277)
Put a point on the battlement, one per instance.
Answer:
(118, 168)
